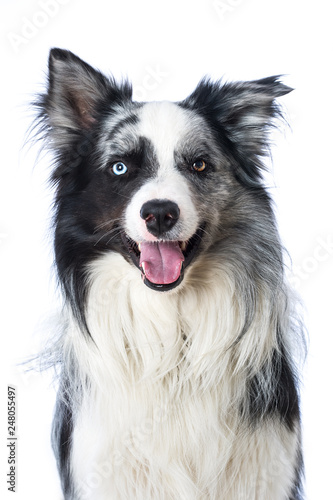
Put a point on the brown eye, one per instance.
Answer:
(199, 165)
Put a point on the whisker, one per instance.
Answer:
(112, 237)
(103, 224)
(122, 195)
(115, 230)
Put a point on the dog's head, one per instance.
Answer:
(158, 182)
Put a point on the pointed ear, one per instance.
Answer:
(242, 114)
(76, 92)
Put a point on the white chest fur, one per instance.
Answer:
(159, 419)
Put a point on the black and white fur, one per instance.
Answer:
(183, 390)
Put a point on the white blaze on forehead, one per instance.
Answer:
(164, 124)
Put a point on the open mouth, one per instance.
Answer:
(162, 263)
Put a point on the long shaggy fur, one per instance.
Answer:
(182, 388)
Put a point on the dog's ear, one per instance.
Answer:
(241, 114)
(75, 94)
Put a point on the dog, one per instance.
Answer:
(178, 357)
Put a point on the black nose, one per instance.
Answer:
(160, 216)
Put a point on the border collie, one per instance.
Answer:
(178, 370)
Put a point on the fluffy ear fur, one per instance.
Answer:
(241, 114)
(76, 94)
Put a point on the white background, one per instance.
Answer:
(164, 48)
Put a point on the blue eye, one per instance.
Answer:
(119, 168)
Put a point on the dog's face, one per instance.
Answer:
(158, 182)
(161, 163)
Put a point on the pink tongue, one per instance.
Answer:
(162, 261)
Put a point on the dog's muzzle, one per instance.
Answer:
(162, 262)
